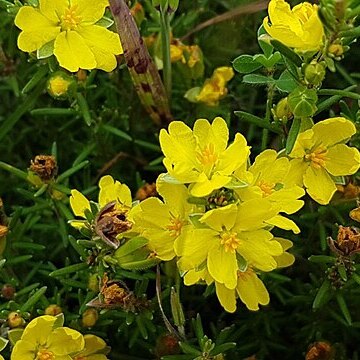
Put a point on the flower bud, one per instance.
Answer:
(53, 310)
(315, 73)
(8, 292)
(167, 344)
(59, 85)
(93, 283)
(282, 112)
(14, 320)
(320, 350)
(336, 50)
(44, 166)
(89, 317)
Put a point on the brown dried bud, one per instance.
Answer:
(349, 191)
(8, 292)
(347, 242)
(44, 166)
(111, 222)
(53, 310)
(167, 344)
(320, 350)
(146, 191)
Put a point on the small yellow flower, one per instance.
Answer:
(95, 349)
(70, 27)
(163, 222)
(319, 154)
(201, 157)
(298, 28)
(214, 88)
(43, 340)
(59, 85)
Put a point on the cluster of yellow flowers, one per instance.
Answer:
(217, 210)
(44, 338)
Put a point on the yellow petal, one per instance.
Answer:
(23, 350)
(72, 52)
(234, 156)
(93, 344)
(53, 9)
(104, 44)
(90, 10)
(192, 277)
(38, 330)
(79, 203)
(304, 141)
(111, 190)
(258, 249)
(252, 214)
(65, 341)
(226, 297)
(37, 29)
(284, 223)
(285, 259)
(286, 199)
(205, 186)
(222, 266)
(216, 134)
(251, 290)
(342, 160)
(219, 218)
(319, 185)
(333, 131)
(296, 173)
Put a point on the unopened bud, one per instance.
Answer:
(146, 191)
(59, 85)
(53, 310)
(93, 283)
(14, 320)
(315, 73)
(89, 317)
(336, 50)
(8, 292)
(282, 111)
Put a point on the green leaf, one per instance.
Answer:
(188, 349)
(222, 348)
(245, 64)
(3, 343)
(140, 265)
(256, 79)
(264, 41)
(59, 322)
(105, 22)
(252, 119)
(323, 295)
(302, 102)
(117, 132)
(343, 307)
(46, 50)
(293, 134)
(322, 259)
(287, 52)
(286, 82)
(130, 246)
(69, 269)
(269, 62)
(33, 299)
(14, 335)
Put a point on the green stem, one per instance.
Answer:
(165, 42)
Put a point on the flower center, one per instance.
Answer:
(175, 227)
(44, 354)
(70, 20)
(207, 156)
(230, 241)
(266, 188)
(317, 157)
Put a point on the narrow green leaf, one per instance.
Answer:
(293, 133)
(71, 171)
(257, 121)
(322, 259)
(69, 269)
(343, 307)
(52, 112)
(17, 172)
(287, 52)
(256, 79)
(36, 78)
(130, 246)
(33, 299)
(322, 295)
(84, 108)
(222, 348)
(117, 132)
(188, 349)
(14, 335)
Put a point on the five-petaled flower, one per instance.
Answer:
(319, 154)
(70, 29)
(298, 28)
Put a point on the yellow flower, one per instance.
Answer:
(214, 88)
(110, 190)
(59, 84)
(42, 339)
(266, 179)
(163, 222)
(95, 349)
(70, 27)
(319, 154)
(230, 232)
(298, 28)
(201, 157)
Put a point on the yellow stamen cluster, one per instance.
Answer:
(266, 188)
(175, 227)
(70, 21)
(230, 241)
(207, 156)
(317, 157)
(44, 354)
